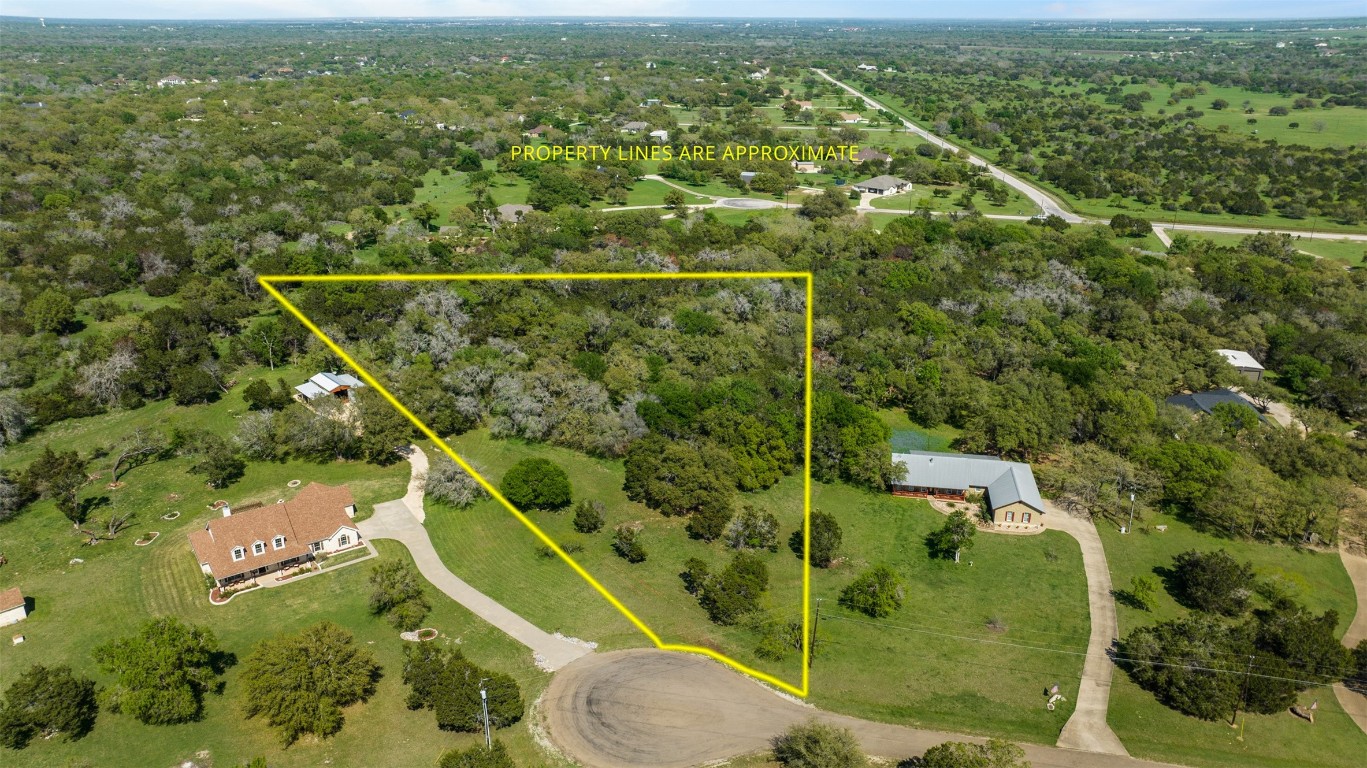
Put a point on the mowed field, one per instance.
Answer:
(1149, 729)
(935, 663)
(1353, 252)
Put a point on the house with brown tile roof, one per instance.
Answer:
(250, 543)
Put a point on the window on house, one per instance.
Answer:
(259, 548)
(279, 542)
(1025, 517)
(1010, 515)
(343, 540)
(239, 553)
(316, 546)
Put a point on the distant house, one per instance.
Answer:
(804, 166)
(513, 212)
(1008, 486)
(867, 68)
(171, 80)
(747, 176)
(868, 153)
(33, 104)
(661, 135)
(1205, 402)
(1243, 363)
(882, 185)
(247, 544)
(851, 118)
(335, 384)
(538, 131)
(13, 607)
(635, 126)
(651, 103)
(805, 105)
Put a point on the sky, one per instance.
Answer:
(909, 9)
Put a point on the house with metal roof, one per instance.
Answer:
(335, 384)
(1008, 487)
(1205, 402)
(883, 185)
(1243, 363)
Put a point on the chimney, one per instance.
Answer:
(210, 531)
(227, 510)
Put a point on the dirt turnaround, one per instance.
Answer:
(645, 707)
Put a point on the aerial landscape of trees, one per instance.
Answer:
(139, 354)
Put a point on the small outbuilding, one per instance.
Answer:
(1243, 363)
(13, 607)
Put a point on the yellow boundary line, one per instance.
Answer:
(267, 282)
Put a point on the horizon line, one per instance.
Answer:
(534, 17)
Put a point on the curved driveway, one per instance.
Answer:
(670, 710)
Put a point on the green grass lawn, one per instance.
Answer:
(1151, 730)
(936, 663)
(893, 671)
(78, 606)
(1350, 251)
(1016, 205)
(450, 191)
(934, 438)
(650, 192)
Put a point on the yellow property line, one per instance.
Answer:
(267, 282)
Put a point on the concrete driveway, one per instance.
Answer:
(396, 520)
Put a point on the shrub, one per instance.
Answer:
(817, 745)
(877, 592)
(735, 591)
(626, 544)
(1212, 581)
(588, 516)
(536, 484)
(478, 757)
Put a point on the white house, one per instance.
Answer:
(335, 384)
(250, 543)
(883, 185)
(13, 607)
(1243, 363)
(661, 135)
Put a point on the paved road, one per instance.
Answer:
(1046, 202)
(1087, 728)
(1355, 704)
(1051, 205)
(645, 707)
(396, 520)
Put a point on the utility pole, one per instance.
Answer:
(1130, 527)
(1243, 699)
(811, 646)
(484, 702)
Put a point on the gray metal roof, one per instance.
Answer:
(1006, 482)
(883, 182)
(1206, 401)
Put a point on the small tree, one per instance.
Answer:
(817, 745)
(45, 701)
(674, 198)
(1212, 581)
(447, 481)
(752, 529)
(877, 592)
(398, 595)
(383, 428)
(1142, 589)
(627, 545)
(162, 672)
(996, 753)
(825, 534)
(478, 757)
(1125, 225)
(536, 484)
(300, 682)
(58, 476)
(588, 516)
(695, 575)
(737, 590)
(51, 312)
(953, 538)
(447, 683)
